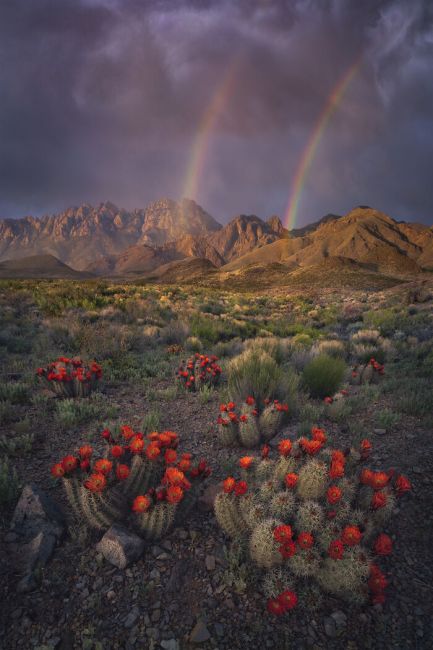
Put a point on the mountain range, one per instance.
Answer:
(166, 235)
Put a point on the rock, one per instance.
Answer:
(131, 618)
(120, 546)
(379, 432)
(330, 626)
(38, 525)
(210, 562)
(170, 644)
(340, 619)
(199, 633)
(207, 500)
(219, 629)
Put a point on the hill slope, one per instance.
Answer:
(40, 266)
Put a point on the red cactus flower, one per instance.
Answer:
(122, 472)
(336, 549)
(246, 461)
(106, 434)
(318, 434)
(85, 464)
(96, 482)
(233, 417)
(127, 431)
(377, 581)
(288, 600)
(223, 408)
(379, 480)
(288, 549)
(283, 533)
(311, 447)
(141, 504)
(202, 466)
(305, 540)
(328, 400)
(378, 500)
(334, 494)
(229, 485)
(336, 470)
(378, 598)
(285, 447)
(338, 456)
(184, 464)
(243, 418)
(170, 456)
(85, 451)
(291, 479)
(383, 545)
(231, 406)
(366, 477)
(57, 470)
(152, 451)
(69, 463)
(366, 447)
(103, 466)
(250, 400)
(166, 438)
(402, 485)
(351, 535)
(265, 451)
(275, 607)
(174, 494)
(117, 451)
(240, 488)
(282, 408)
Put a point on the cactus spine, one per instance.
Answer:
(155, 523)
(263, 547)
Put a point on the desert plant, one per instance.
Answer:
(199, 371)
(9, 483)
(21, 443)
(367, 373)
(312, 517)
(14, 392)
(387, 419)
(139, 479)
(70, 377)
(256, 373)
(323, 375)
(71, 412)
(252, 424)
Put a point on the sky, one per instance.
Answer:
(134, 100)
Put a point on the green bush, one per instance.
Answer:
(323, 375)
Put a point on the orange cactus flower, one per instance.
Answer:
(141, 504)
(402, 485)
(351, 535)
(241, 488)
(85, 451)
(291, 479)
(153, 435)
(379, 480)
(152, 451)
(57, 470)
(229, 485)
(383, 545)
(336, 470)
(127, 431)
(366, 445)
(103, 466)
(338, 456)
(285, 447)
(366, 477)
(69, 463)
(265, 451)
(122, 472)
(96, 482)
(334, 494)
(318, 434)
(288, 549)
(174, 494)
(246, 461)
(378, 500)
(170, 456)
(305, 540)
(250, 400)
(377, 581)
(184, 464)
(288, 600)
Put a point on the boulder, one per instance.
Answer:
(120, 546)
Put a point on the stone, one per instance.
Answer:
(170, 644)
(131, 618)
(379, 432)
(199, 633)
(120, 546)
(330, 626)
(207, 500)
(210, 562)
(340, 619)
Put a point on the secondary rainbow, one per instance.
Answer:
(310, 150)
(203, 138)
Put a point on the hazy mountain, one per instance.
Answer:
(80, 235)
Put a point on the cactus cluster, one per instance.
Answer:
(70, 377)
(142, 479)
(199, 371)
(248, 425)
(312, 518)
(369, 373)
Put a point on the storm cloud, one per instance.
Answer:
(103, 100)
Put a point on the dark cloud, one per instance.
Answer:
(103, 99)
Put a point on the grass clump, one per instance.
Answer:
(323, 375)
(255, 373)
(9, 483)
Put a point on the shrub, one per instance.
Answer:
(193, 344)
(142, 480)
(70, 377)
(199, 371)
(174, 332)
(312, 516)
(17, 444)
(71, 413)
(257, 374)
(9, 483)
(332, 348)
(323, 375)
(253, 424)
(387, 419)
(14, 392)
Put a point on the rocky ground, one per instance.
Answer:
(189, 590)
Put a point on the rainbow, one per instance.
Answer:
(202, 140)
(309, 152)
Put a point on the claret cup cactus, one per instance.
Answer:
(312, 518)
(70, 377)
(199, 371)
(248, 425)
(141, 479)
